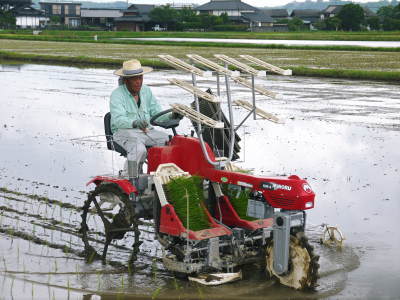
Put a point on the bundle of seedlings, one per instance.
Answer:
(186, 195)
(239, 197)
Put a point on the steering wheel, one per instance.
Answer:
(168, 123)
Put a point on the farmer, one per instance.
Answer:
(132, 105)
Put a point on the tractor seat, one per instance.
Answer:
(111, 145)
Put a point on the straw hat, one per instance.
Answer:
(132, 68)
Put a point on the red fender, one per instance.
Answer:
(124, 184)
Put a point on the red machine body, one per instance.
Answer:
(172, 225)
(124, 184)
(291, 193)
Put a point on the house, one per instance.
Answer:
(29, 17)
(68, 12)
(233, 8)
(258, 20)
(277, 14)
(13, 5)
(100, 17)
(308, 16)
(333, 10)
(134, 18)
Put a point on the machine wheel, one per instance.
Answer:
(303, 264)
(108, 214)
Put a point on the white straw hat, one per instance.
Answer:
(132, 68)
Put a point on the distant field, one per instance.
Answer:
(317, 35)
(341, 64)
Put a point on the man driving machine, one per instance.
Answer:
(132, 105)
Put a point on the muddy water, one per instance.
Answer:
(341, 135)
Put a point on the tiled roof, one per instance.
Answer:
(332, 9)
(305, 13)
(258, 16)
(137, 19)
(276, 13)
(100, 13)
(226, 5)
(142, 8)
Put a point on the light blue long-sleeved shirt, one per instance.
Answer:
(124, 109)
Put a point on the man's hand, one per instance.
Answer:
(141, 124)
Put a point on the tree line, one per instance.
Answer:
(352, 18)
(188, 19)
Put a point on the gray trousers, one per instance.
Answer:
(134, 141)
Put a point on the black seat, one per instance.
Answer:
(111, 145)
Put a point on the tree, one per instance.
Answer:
(186, 14)
(390, 17)
(164, 15)
(7, 19)
(333, 23)
(351, 17)
(374, 23)
(295, 24)
(55, 19)
(391, 24)
(386, 11)
(224, 18)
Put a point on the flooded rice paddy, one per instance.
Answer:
(343, 136)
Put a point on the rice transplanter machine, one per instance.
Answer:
(210, 216)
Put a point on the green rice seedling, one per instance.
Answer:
(154, 268)
(156, 293)
(186, 195)
(122, 282)
(200, 291)
(238, 197)
(91, 257)
(176, 285)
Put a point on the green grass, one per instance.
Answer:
(110, 38)
(351, 74)
(187, 191)
(314, 35)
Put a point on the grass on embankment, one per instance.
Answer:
(307, 35)
(84, 61)
(66, 36)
